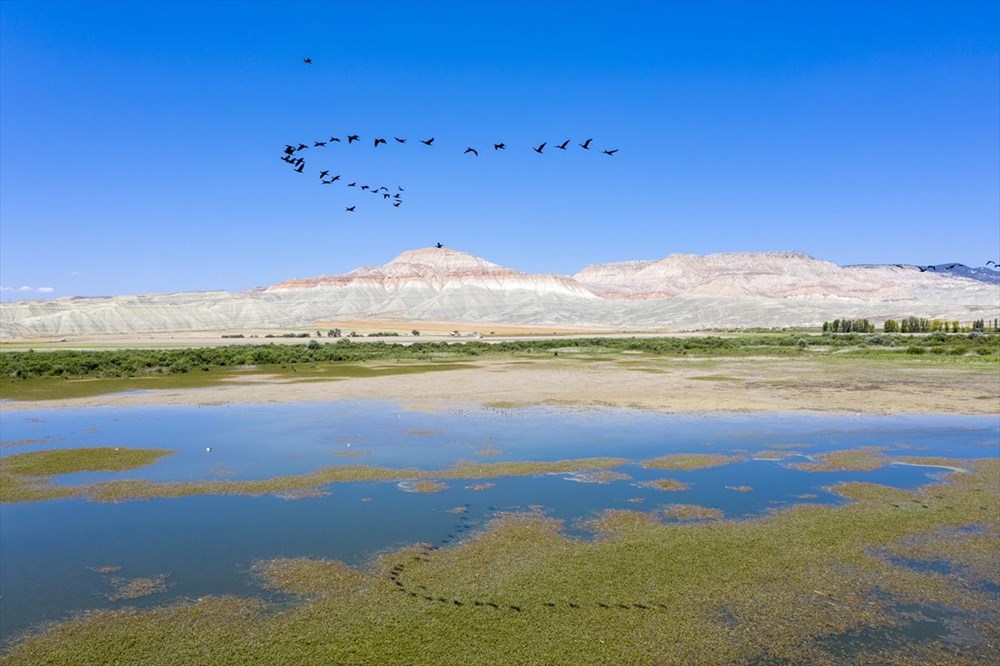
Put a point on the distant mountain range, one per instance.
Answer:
(683, 291)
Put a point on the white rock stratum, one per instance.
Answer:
(728, 290)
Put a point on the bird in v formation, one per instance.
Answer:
(298, 163)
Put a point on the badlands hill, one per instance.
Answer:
(730, 290)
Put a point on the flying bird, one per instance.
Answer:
(350, 209)
(397, 204)
(333, 138)
(399, 140)
(289, 149)
(335, 178)
(364, 187)
(499, 146)
(923, 270)
(472, 150)
(540, 148)
(439, 245)
(352, 138)
(352, 184)
(562, 146)
(992, 262)
(428, 141)
(324, 174)
(301, 146)
(586, 144)
(307, 61)
(319, 144)
(610, 152)
(378, 141)
(299, 170)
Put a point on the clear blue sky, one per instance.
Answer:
(140, 142)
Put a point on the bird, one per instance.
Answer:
(499, 146)
(586, 144)
(319, 144)
(289, 149)
(471, 150)
(350, 209)
(439, 245)
(923, 270)
(352, 184)
(562, 146)
(992, 262)
(378, 141)
(352, 138)
(301, 166)
(286, 158)
(399, 140)
(307, 61)
(610, 153)
(333, 138)
(324, 174)
(397, 204)
(948, 268)
(364, 187)
(384, 188)
(540, 148)
(301, 146)
(325, 182)
(428, 141)
(335, 178)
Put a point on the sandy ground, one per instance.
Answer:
(672, 385)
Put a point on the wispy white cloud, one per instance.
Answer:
(26, 289)
(45, 290)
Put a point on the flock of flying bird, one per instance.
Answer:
(291, 156)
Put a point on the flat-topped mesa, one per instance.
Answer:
(731, 275)
(439, 270)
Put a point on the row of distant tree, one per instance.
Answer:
(909, 325)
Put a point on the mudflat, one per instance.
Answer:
(871, 386)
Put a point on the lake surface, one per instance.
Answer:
(49, 551)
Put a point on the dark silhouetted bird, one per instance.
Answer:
(499, 146)
(333, 138)
(948, 268)
(289, 149)
(397, 204)
(399, 140)
(352, 138)
(350, 209)
(401, 189)
(610, 152)
(438, 246)
(307, 61)
(301, 146)
(378, 141)
(586, 144)
(352, 184)
(286, 158)
(364, 187)
(428, 141)
(540, 148)
(300, 167)
(471, 150)
(324, 174)
(992, 262)
(319, 144)
(562, 146)
(384, 188)
(926, 268)
(325, 182)
(335, 178)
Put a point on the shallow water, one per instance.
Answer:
(49, 550)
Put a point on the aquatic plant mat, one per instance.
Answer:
(890, 577)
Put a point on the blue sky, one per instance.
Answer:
(140, 142)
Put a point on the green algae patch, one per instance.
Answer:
(690, 461)
(692, 512)
(137, 588)
(851, 460)
(422, 486)
(19, 487)
(24, 477)
(669, 485)
(809, 584)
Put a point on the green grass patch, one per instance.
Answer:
(857, 460)
(669, 485)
